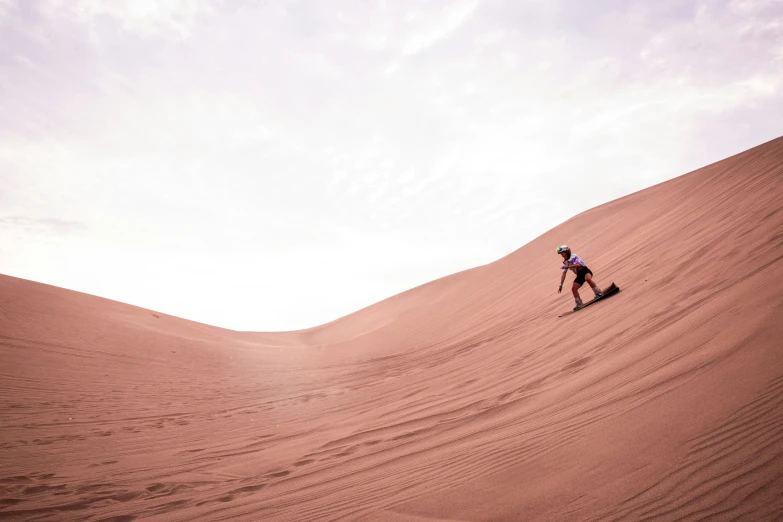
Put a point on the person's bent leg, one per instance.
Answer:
(596, 290)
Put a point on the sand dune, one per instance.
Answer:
(464, 399)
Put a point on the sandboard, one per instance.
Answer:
(613, 289)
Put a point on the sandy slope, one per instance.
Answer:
(464, 399)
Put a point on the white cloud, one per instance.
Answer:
(428, 29)
(6, 6)
(750, 7)
(144, 17)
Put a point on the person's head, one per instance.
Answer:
(564, 251)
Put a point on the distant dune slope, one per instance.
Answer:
(463, 399)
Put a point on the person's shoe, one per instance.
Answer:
(579, 304)
(598, 293)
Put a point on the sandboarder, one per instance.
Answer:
(572, 262)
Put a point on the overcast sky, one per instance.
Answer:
(273, 165)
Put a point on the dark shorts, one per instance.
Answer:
(580, 275)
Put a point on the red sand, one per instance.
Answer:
(464, 399)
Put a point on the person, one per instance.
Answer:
(572, 262)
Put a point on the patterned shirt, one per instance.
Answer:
(573, 263)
